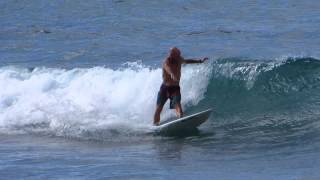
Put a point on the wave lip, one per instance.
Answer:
(292, 74)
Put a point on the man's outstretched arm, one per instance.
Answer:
(194, 61)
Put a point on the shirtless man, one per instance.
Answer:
(170, 89)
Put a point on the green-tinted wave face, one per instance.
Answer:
(267, 104)
(247, 88)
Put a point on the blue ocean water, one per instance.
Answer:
(79, 81)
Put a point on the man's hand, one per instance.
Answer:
(203, 60)
(173, 77)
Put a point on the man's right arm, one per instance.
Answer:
(194, 61)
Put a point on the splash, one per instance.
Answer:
(89, 102)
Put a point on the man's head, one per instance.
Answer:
(174, 53)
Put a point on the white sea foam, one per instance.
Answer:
(247, 71)
(77, 102)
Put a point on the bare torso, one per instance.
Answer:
(172, 79)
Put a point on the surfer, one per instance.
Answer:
(170, 88)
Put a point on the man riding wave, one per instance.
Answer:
(170, 88)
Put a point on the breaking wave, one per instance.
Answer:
(101, 102)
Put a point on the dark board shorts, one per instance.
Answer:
(169, 92)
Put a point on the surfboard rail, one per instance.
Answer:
(185, 123)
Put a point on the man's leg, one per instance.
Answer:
(161, 100)
(179, 111)
(156, 117)
(176, 104)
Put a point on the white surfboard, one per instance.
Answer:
(186, 123)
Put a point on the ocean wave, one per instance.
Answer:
(101, 103)
(240, 86)
(89, 102)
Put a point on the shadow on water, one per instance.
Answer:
(181, 134)
(195, 132)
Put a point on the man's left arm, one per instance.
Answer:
(194, 61)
